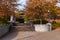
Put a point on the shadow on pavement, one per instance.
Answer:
(9, 36)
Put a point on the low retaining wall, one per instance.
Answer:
(4, 29)
(42, 28)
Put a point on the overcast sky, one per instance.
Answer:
(22, 2)
(58, 4)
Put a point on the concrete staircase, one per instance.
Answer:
(23, 27)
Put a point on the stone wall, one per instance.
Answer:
(4, 29)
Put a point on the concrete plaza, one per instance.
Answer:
(32, 35)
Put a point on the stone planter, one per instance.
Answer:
(41, 27)
(4, 29)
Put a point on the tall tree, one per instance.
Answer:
(37, 8)
(8, 6)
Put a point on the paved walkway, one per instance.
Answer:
(31, 35)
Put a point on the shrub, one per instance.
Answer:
(25, 19)
(3, 21)
(55, 24)
(37, 21)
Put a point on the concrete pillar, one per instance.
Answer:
(14, 18)
(11, 19)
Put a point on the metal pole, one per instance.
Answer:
(49, 24)
(48, 16)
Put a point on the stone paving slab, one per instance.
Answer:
(32, 35)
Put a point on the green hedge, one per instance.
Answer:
(37, 21)
(3, 21)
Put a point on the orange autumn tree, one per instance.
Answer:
(36, 9)
(7, 7)
(58, 12)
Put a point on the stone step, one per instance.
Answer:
(23, 28)
(21, 24)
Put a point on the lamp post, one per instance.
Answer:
(49, 24)
(48, 16)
